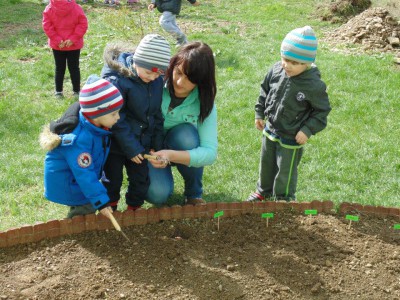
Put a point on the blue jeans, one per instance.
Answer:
(168, 23)
(180, 137)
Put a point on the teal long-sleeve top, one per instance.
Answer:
(189, 112)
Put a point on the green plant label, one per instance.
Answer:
(396, 226)
(267, 215)
(310, 211)
(352, 218)
(219, 214)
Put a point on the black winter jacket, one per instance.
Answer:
(140, 127)
(173, 6)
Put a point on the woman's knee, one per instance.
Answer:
(183, 137)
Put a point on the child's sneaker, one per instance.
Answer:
(194, 201)
(255, 196)
(130, 2)
(130, 207)
(113, 205)
(59, 95)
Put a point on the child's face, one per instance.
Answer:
(182, 85)
(146, 75)
(293, 68)
(107, 120)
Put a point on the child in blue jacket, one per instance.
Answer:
(76, 153)
(140, 129)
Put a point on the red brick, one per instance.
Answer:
(200, 210)
(345, 208)
(270, 206)
(235, 208)
(53, 228)
(382, 211)
(128, 218)
(26, 233)
(260, 207)
(369, 209)
(357, 207)
(296, 206)
(212, 209)
(282, 205)
(91, 222)
(3, 239)
(176, 212)
(328, 207)
(164, 213)
(395, 212)
(141, 216)
(13, 237)
(223, 206)
(316, 204)
(104, 223)
(39, 231)
(153, 215)
(65, 227)
(78, 224)
(188, 211)
(247, 207)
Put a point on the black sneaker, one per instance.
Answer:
(59, 95)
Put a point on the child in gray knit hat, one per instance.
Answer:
(292, 106)
(136, 73)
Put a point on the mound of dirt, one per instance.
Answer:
(375, 29)
(339, 11)
(294, 257)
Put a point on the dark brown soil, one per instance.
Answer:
(294, 258)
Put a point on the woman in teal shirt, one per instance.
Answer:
(190, 124)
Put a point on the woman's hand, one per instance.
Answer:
(163, 158)
(137, 159)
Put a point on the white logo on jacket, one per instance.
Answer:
(300, 96)
(84, 160)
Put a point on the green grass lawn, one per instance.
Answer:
(356, 158)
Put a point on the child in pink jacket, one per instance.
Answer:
(65, 24)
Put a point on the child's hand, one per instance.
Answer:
(61, 45)
(260, 124)
(301, 138)
(151, 6)
(68, 43)
(137, 159)
(106, 211)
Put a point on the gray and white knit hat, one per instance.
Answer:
(300, 45)
(153, 53)
(99, 97)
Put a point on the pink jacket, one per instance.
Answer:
(64, 20)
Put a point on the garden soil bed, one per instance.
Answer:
(295, 257)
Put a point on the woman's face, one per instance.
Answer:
(182, 85)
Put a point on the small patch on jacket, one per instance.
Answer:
(300, 96)
(84, 160)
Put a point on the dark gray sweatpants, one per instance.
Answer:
(278, 170)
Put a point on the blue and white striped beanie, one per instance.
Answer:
(300, 45)
(99, 97)
(153, 53)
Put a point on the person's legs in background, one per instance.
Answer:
(168, 23)
(60, 61)
(74, 70)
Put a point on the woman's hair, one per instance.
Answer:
(197, 61)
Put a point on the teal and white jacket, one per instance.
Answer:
(189, 112)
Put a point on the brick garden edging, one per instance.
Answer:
(57, 228)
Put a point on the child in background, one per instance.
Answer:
(65, 24)
(76, 155)
(170, 9)
(292, 106)
(140, 129)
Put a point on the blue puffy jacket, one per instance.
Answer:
(72, 170)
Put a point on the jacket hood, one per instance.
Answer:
(49, 140)
(62, 7)
(118, 59)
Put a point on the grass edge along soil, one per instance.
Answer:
(58, 228)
